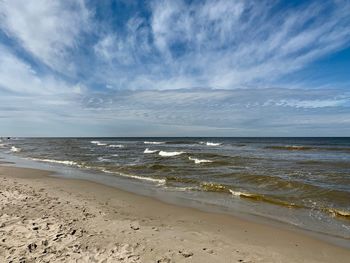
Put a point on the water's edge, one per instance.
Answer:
(174, 198)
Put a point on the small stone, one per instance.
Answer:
(32, 247)
(45, 242)
(134, 227)
(186, 254)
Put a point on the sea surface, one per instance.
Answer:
(300, 181)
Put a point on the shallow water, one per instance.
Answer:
(301, 181)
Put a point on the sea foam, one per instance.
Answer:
(55, 161)
(211, 143)
(169, 154)
(153, 142)
(199, 161)
(143, 178)
(98, 143)
(116, 146)
(15, 149)
(149, 151)
(239, 194)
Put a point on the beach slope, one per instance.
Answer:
(49, 219)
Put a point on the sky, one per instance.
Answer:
(174, 68)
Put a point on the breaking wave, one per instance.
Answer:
(169, 154)
(211, 143)
(98, 143)
(149, 151)
(338, 212)
(55, 161)
(198, 161)
(143, 178)
(146, 142)
(15, 149)
(116, 146)
(101, 159)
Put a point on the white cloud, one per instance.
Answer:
(243, 109)
(47, 29)
(225, 44)
(18, 76)
(125, 48)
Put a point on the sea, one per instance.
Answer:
(302, 182)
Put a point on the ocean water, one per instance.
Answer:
(299, 181)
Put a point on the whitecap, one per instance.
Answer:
(101, 159)
(149, 151)
(211, 143)
(237, 193)
(199, 161)
(98, 143)
(55, 161)
(169, 154)
(143, 178)
(116, 146)
(15, 149)
(153, 142)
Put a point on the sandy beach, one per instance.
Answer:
(49, 219)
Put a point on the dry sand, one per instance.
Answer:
(48, 219)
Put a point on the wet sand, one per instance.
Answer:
(49, 219)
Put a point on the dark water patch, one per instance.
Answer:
(334, 164)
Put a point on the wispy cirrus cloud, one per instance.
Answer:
(210, 67)
(49, 30)
(19, 77)
(226, 44)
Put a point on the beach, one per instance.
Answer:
(49, 219)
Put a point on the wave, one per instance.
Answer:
(211, 143)
(337, 212)
(169, 154)
(198, 161)
(149, 151)
(98, 143)
(101, 159)
(214, 187)
(240, 194)
(182, 142)
(178, 179)
(15, 149)
(116, 146)
(146, 142)
(55, 161)
(262, 198)
(182, 189)
(290, 148)
(2, 145)
(143, 178)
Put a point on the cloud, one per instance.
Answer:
(222, 44)
(171, 67)
(17, 76)
(49, 30)
(243, 110)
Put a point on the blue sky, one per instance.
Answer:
(174, 68)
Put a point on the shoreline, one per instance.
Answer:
(135, 226)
